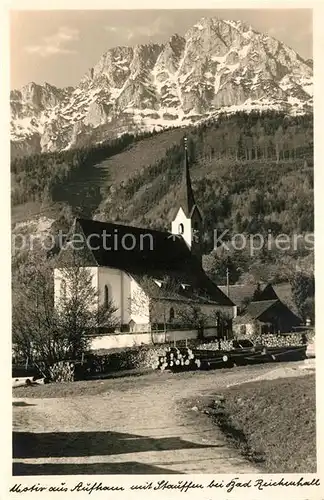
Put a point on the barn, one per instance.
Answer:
(263, 317)
(265, 314)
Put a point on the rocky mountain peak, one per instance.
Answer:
(217, 66)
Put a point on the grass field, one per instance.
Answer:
(273, 422)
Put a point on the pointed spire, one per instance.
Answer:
(186, 196)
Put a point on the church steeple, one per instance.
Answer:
(188, 221)
(186, 196)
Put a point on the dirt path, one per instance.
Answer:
(145, 426)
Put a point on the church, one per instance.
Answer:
(151, 276)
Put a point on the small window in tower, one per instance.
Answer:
(181, 229)
(171, 314)
(106, 297)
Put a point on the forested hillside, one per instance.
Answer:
(251, 173)
(39, 176)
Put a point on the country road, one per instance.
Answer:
(137, 425)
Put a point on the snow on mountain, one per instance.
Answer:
(218, 66)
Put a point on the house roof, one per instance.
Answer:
(238, 293)
(281, 291)
(255, 309)
(284, 292)
(149, 255)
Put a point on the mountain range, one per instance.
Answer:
(217, 66)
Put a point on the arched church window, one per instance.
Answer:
(171, 314)
(181, 228)
(106, 297)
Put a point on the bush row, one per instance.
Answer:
(125, 359)
(96, 364)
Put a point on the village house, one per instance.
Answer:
(152, 276)
(261, 311)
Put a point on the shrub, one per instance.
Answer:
(139, 357)
(63, 371)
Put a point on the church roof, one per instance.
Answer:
(184, 284)
(149, 255)
(133, 246)
(185, 196)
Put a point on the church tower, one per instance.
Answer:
(188, 221)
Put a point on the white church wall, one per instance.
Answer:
(126, 287)
(139, 306)
(119, 290)
(127, 296)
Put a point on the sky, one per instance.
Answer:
(58, 47)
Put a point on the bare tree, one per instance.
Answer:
(33, 322)
(42, 332)
(192, 315)
(78, 312)
(221, 319)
